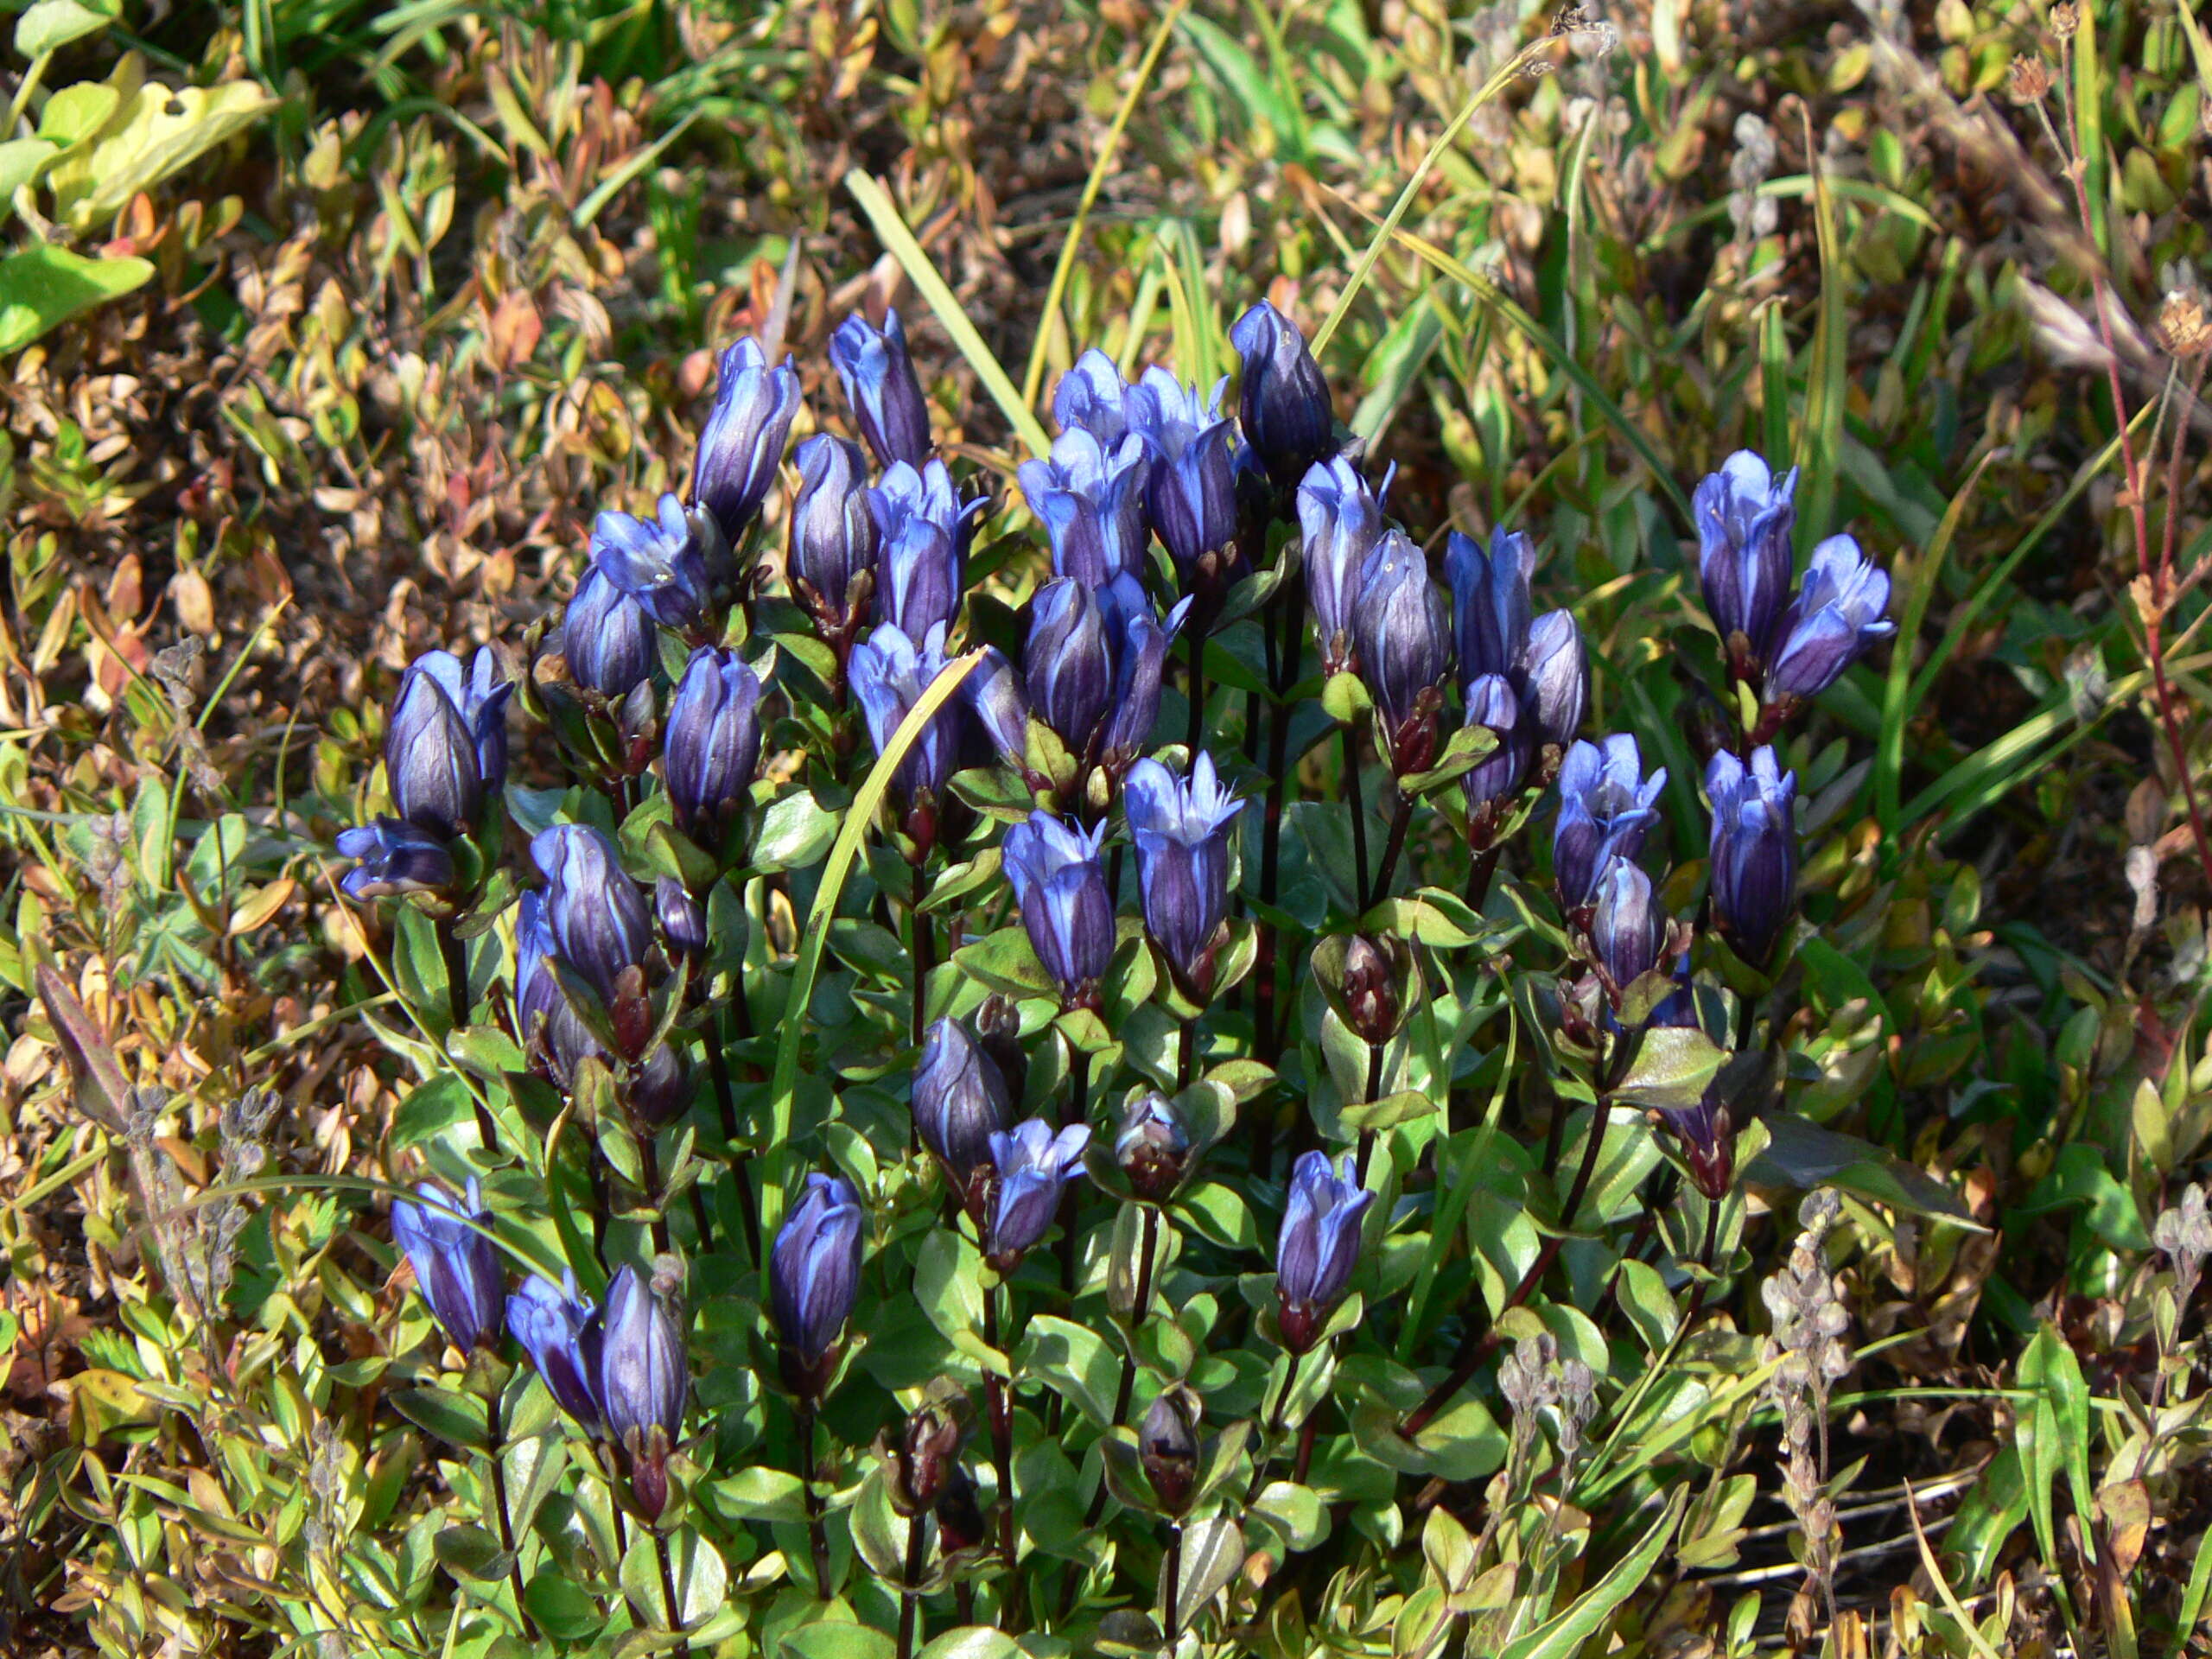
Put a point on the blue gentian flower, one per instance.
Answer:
(1745, 516)
(1319, 1247)
(550, 1030)
(456, 1264)
(882, 388)
(560, 1329)
(1402, 631)
(1191, 495)
(1494, 783)
(446, 749)
(1605, 806)
(1090, 499)
(1628, 930)
(742, 445)
(673, 565)
(1182, 828)
(395, 857)
(607, 638)
(1093, 397)
(889, 674)
(1061, 886)
(712, 748)
(923, 526)
(1284, 399)
(960, 1101)
(682, 919)
(1152, 1148)
(814, 1270)
(1754, 849)
(1836, 616)
(1553, 678)
(1340, 520)
(834, 538)
(1032, 1164)
(644, 1381)
(598, 918)
(1490, 602)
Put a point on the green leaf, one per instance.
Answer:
(878, 1533)
(1406, 1106)
(824, 1640)
(973, 1642)
(1563, 1637)
(430, 1110)
(471, 1552)
(1805, 1155)
(563, 1608)
(795, 832)
(1005, 962)
(43, 286)
(761, 1494)
(52, 24)
(1213, 1551)
(1077, 1362)
(456, 1419)
(21, 160)
(155, 132)
(1468, 745)
(1672, 1066)
(1293, 1511)
(75, 113)
(949, 1285)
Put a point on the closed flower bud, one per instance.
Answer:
(1372, 1005)
(1182, 828)
(923, 526)
(1191, 495)
(1494, 783)
(1151, 1149)
(1703, 1129)
(924, 1461)
(1318, 1247)
(644, 1382)
(1284, 398)
(1835, 617)
(814, 1277)
(960, 1102)
(549, 1029)
(834, 537)
(607, 638)
(1627, 928)
(1031, 1164)
(446, 749)
(1061, 887)
(1754, 850)
(456, 1265)
(1605, 806)
(1093, 397)
(1401, 631)
(674, 565)
(1138, 641)
(1091, 498)
(1553, 679)
(998, 1033)
(742, 445)
(1339, 520)
(656, 1090)
(1001, 702)
(880, 384)
(712, 748)
(960, 1523)
(682, 919)
(889, 675)
(1066, 663)
(1744, 517)
(394, 857)
(598, 918)
(1167, 1445)
(1490, 602)
(559, 1329)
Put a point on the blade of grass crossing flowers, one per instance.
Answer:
(1451, 1202)
(1565, 1634)
(860, 817)
(899, 242)
(1927, 570)
(1774, 381)
(1508, 73)
(1819, 438)
(1033, 378)
(1555, 352)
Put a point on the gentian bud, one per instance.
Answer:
(644, 1380)
(1627, 928)
(1139, 641)
(998, 1032)
(549, 1029)
(1319, 1246)
(1093, 397)
(959, 1518)
(446, 749)
(713, 744)
(882, 388)
(960, 1102)
(559, 1329)
(1836, 616)
(1340, 520)
(1182, 827)
(925, 545)
(682, 919)
(1066, 663)
(1372, 1007)
(1001, 702)
(1400, 630)
(1754, 850)
(1745, 516)
(395, 857)
(889, 675)
(1605, 806)
(1089, 497)
(1490, 602)
(834, 537)
(1284, 399)
(1152, 1149)
(1032, 1164)
(600, 924)
(606, 638)
(1553, 679)
(1494, 783)
(1191, 495)
(1167, 1445)
(814, 1277)
(742, 445)
(456, 1264)
(671, 565)
(1061, 886)
(1703, 1129)
(656, 1090)
(924, 1460)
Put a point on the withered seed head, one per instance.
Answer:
(2065, 19)
(2029, 79)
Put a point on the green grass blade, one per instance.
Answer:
(898, 241)
(860, 817)
(1819, 441)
